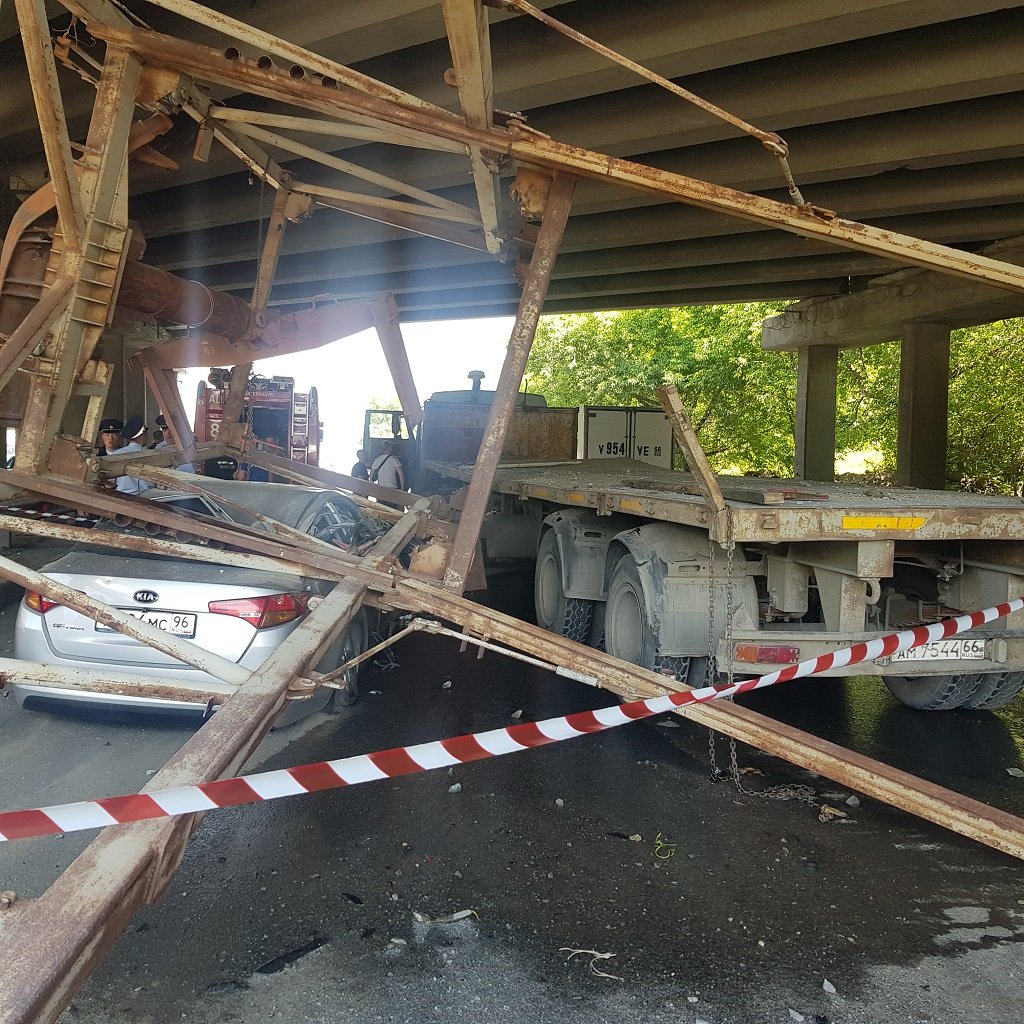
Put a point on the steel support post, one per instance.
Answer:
(233, 432)
(466, 23)
(42, 71)
(389, 331)
(556, 214)
(103, 186)
(164, 385)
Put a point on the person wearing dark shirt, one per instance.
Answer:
(361, 470)
(110, 436)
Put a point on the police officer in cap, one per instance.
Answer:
(110, 436)
(133, 438)
(164, 441)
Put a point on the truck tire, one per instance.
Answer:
(995, 690)
(628, 633)
(352, 643)
(933, 693)
(568, 616)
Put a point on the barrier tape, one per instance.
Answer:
(387, 764)
(33, 513)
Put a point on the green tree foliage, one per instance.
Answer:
(742, 399)
(986, 407)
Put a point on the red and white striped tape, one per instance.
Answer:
(386, 764)
(34, 513)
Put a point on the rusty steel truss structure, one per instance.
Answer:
(78, 234)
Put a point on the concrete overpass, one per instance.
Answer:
(901, 113)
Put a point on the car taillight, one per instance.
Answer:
(263, 612)
(38, 603)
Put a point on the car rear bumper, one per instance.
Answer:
(43, 698)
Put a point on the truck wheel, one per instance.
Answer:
(568, 616)
(353, 642)
(628, 634)
(995, 690)
(933, 693)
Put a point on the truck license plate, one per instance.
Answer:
(176, 623)
(960, 649)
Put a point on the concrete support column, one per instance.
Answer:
(924, 406)
(816, 413)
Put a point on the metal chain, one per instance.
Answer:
(793, 791)
(711, 673)
(730, 558)
(711, 676)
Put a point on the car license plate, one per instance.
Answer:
(176, 623)
(960, 649)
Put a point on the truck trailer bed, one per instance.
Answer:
(763, 509)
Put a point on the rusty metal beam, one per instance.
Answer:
(131, 865)
(542, 265)
(107, 503)
(462, 216)
(164, 385)
(466, 23)
(64, 677)
(319, 477)
(456, 211)
(179, 548)
(103, 190)
(697, 460)
(42, 70)
(299, 57)
(18, 347)
(533, 148)
(234, 431)
(389, 331)
(428, 227)
(281, 334)
(336, 129)
(954, 811)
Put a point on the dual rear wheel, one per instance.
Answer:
(568, 616)
(626, 632)
(972, 691)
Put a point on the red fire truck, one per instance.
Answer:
(273, 408)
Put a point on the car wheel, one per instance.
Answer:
(353, 642)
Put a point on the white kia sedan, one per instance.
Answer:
(238, 613)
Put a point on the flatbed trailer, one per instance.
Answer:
(631, 557)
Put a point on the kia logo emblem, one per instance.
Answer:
(146, 596)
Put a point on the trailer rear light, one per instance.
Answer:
(767, 654)
(263, 612)
(38, 603)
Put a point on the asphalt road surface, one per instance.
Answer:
(687, 900)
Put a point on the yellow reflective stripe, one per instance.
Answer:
(883, 522)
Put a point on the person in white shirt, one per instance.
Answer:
(134, 436)
(164, 442)
(387, 471)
